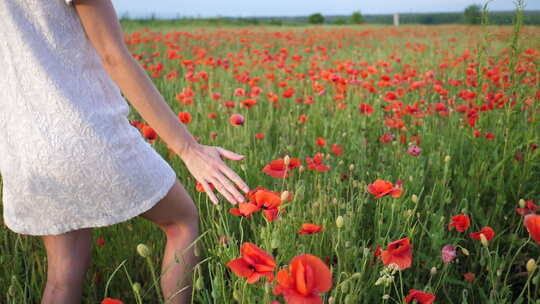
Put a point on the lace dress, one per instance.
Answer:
(69, 158)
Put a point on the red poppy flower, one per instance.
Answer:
(420, 297)
(253, 264)
(306, 277)
(101, 241)
(277, 168)
(184, 117)
(248, 103)
(316, 163)
(461, 222)
(259, 136)
(337, 149)
(321, 142)
(365, 109)
(148, 132)
(308, 228)
(398, 252)
(380, 188)
(532, 222)
(268, 201)
(237, 120)
(487, 231)
(111, 301)
(199, 187)
(530, 207)
(469, 276)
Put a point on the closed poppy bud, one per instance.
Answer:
(199, 284)
(483, 240)
(465, 251)
(522, 203)
(136, 287)
(284, 195)
(339, 221)
(433, 271)
(286, 160)
(531, 266)
(414, 198)
(447, 158)
(143, 250)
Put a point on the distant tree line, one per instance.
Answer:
(471, 15)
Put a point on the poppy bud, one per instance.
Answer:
(284, 195)
(465, 251)
(531, 266)
(136, 288)
(351, 167)
(339, 221)
(331, 300)
(286, 160)
(274, 243)
(386, 297)
(11, 290)
(410, 178)
(483, 240)
(522, 203)
(414, 198)
(199, 284)
(433, 271)
(143, 250)
(447, 158)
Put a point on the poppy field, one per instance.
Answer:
(386, 165)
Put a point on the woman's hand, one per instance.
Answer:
(206, 165)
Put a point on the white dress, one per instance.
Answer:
(69, 158)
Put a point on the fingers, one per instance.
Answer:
(209, 192)
(230, 187)
(229, 154)
(223, 190)
(235, 178)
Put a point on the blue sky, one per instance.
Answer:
(246, 8)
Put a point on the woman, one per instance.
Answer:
(69, 158)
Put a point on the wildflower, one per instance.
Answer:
(528, 207)
(111, 301)
(380, 188)
(101, 241)
(305, 278)
(461, 222)
(448, 253)
(259, 136)
(278, 169)
(414, 150)
(237, 120)
(420, 297)
(398, 252)
(321, 142)
(532, 223)
(337, 149)
(469, 276)
(486, 231)
(253, 264)
(316, 163)
(365, 108)
(184, 117)
(308, 228)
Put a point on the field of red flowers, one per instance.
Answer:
(388, 165)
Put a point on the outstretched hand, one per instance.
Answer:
(206, 165)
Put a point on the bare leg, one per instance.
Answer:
(177, 216)
(68, 259)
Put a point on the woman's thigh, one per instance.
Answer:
(175, 208)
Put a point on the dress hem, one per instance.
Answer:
(143, 207)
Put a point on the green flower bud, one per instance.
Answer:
(144, 250)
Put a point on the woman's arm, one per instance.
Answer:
(103, 29)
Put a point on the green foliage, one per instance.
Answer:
(340, 21)
(472, 14)
(356, 18)
(316, 18)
